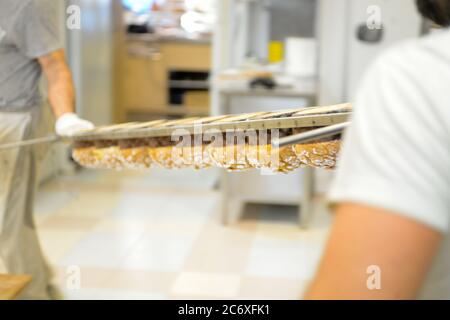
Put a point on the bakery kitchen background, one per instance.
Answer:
(186, 148)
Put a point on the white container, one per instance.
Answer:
(301, 57)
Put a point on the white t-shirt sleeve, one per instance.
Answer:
(396, 152)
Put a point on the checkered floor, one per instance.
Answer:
(158, 235)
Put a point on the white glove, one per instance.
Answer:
(69, 124)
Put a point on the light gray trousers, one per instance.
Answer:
(20, 251)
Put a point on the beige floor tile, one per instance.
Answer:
(105, 294)
(275, 257)
(213, 285)
(120, 225)
(158, 234)
(40, 219)
(89, 277)
(292, 233)
(158, 252)
(98, 179)
(220, 249)
(280, 231)
(195, 297)
(188, 228)
(57, 243)
(156, 282)
(174, 179)
(268, 288)
(48, 201)
(90, 204)
(137, 225)
(101, 250)
(73, 184)
(60, 222)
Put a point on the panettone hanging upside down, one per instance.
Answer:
(234, 143)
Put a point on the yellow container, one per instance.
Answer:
(276, 51)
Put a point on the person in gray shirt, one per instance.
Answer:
(29, 46)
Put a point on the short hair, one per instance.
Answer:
(436, 10)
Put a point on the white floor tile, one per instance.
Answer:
(49, 202)
(214, 285)
(165, 207)
(107, 294)
(274, 257)
(178, 179)
(57, 244)
(158, 252)
(107, 250)
(149, 222)
(138, 205)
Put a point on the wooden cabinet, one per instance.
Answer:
(12, 285)
(144, 85)
(186, 56)
(147, 71)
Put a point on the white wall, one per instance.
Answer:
(401, 21)
(91, 59)
(332, 37)
(343, 58)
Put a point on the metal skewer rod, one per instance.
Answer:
(311, 135)
(25, 143)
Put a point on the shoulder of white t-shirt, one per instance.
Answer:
(410, 52)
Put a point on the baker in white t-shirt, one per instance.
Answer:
(390, 238)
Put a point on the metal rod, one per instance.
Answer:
(19, 144)
(311, 135)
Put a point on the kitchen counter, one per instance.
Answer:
(155, 38)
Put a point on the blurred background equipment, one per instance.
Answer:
(167, 59)
(158, 233)
(243, 51)
(199, 58)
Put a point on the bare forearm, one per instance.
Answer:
(61, 94)
(61, 91)
(364, 237)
